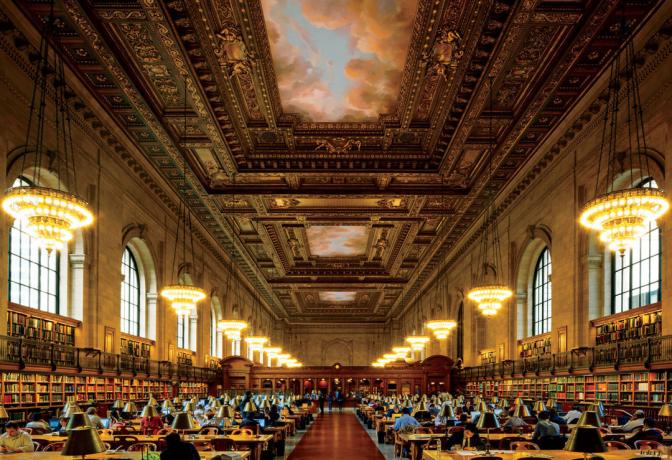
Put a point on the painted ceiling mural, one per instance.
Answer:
(339, 60)
(334, 146)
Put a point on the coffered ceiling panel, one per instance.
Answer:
(338, 146)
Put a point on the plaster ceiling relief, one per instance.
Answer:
(337, 296)
(339, 60)
(332, 145)
(337, 240)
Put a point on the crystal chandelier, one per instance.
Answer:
(622, 217)
(417, 342)
(232, 328)
(489, 294)
(50, 215)
(182, 296)
(440, 328)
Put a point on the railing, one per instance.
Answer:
(29, 352)
(647, 351)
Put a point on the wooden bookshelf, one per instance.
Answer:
(185, 358)
(24, 392)
(629, 325)
(538, 345)
(190, 390)
(38, 325)
(635, 388)
(488, 357)
(135, 346)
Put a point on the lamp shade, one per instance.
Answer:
(487, 420)
(598, 408)
(422, 407)
(518, 402)
(83, 440)
(494, 400)
(177, 401)
(78, 419)
(225, 412)
(589, 418)
(3, 413)
(118, 404)
(476, 400)
(551, 403)
(447, 411)
(585, 439)
(539, 406)
(521, 411)
(130, 408)
(189, 407)
(482, 407)
(503, 403)
(149, 411)
(151, 401)
(183, 421)
(665, 410)
(167, 405)
(250, 407)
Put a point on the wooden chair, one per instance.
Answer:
(164, 431)
(505, 442)
(484, 457)
(242, 432)
(455, 429)
(616, 445)
(54, 447)
(524, 445)
(124, 441)
(399, 445)
(27, 430)
(224, 444)
(423, 430)
(209, 430)
(142, 446)
(648, 445)
(202, 445)
(105, 432)
(107, 446)
(36, 446)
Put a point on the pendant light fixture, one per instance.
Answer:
(50, 215)
(183, 297)
(490, 291)
(621, 217)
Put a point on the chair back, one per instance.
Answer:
(164, 431)
(422, 430)
(124, 440)
(505, 442)
(455, 429)
(142, 447)
(54, 447)
(647, 445)
(27, 430)
(224, 444)
(209, 430)
(524, 445)
(36, 446)
(616, 445)
(105, 432)
(202, 445)
(242, 432)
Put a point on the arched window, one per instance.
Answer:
(131, 311)
(541, 294)
(34, 272)
(636, 274)
(460, 331)
(213, 333)
(183, 332)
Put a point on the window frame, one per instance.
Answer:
(183, 332)
(647, 182)
(542, 297)
(134, 268)
(42, 263)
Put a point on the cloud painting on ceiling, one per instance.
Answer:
(337, 240)
(337, 296)
(339, 60)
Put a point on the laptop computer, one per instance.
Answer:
(261, 422)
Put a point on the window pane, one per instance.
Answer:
(130, 294)
(541, 294)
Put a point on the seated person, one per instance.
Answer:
(392, 411)
(514, 423)
(37, 423)
(14, 440)
(63, 423)
(274, 415)
(423, 416)
(176, 449)
(467, 439)
(573, 415)
(649, 432)
(405, 421)
(151, 425)
(93, 417)
(555, 418)
(545, 428)
(635, 422)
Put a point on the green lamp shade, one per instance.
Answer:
(83, 440)
(177, 402)
(78, 419)
(551, 403)
(494, 400)
(249, 407)
(665, 410)
(70, 409)
(503, 403)
(518, 402)
(118, 404)
(149, 411)
(3, 413)
(225, 412)
(183, 421)
(539, 406)
(447, 411)
(482, 407)
(151, 401)
(597, 407)
(167, 405)
(589, 418)
(487, 420)
(521, 411)
(586, 439)
(130, 408)
(189, 407)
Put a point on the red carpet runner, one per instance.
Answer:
(336, 436)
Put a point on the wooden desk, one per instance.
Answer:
(118, 455)
(520, 455)
(418, 441)
(256, 444)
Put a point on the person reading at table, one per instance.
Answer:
(406, 420)
(467, 439)
(176, 449)
(573, 415)
(93, 417)
(392, 411)
(38, 424)
(545, 429)
(62, 424)
(649, 432)
(514, 423)
(14, 440)
(635, 422)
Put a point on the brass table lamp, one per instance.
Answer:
(487, 420)
(587, 440)
(83, 441)
(78, 419)
(589, 418)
